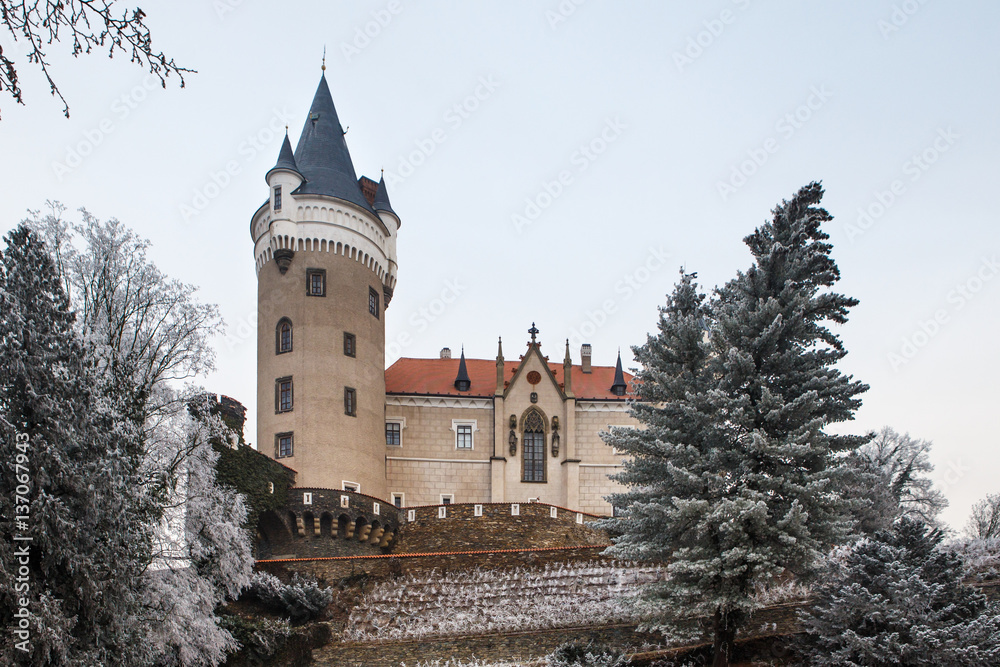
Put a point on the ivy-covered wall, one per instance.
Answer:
(252, 473)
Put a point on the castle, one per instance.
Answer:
(424, 431)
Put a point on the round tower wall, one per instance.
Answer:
(329, 446)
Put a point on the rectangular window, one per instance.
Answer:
(283, 397)
(392, 433)
(534, 457)
(373, 301)
(315, 282)
(283, 445)
(350, 401)
(463, 437)
(350, 486)
(447, 498)
(277, 197)
(350, 345)
(397, 499)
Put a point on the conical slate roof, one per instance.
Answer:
(286, 159)
(618, 387)
(382, 198)
(462, 382)
(322, 156)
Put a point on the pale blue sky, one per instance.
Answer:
(675, 96)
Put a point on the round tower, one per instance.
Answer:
(325, 252)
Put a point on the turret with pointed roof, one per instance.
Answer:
(326, 261)
(286, 159)
(382, 198)
(462, 382)
(619, 387)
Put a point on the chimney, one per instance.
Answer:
(446, 353)
(585, 357)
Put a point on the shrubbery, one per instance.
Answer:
(301, 600)
(586, 655)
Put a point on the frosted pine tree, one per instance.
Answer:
(733, 480)
(86, 551)
(898, 599)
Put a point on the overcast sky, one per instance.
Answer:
(557, 162)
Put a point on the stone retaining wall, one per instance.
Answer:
(330, 570)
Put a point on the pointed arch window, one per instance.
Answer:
(533, 447)
(283, 336)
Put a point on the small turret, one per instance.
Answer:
(282, 179)
(618, 387)
(462, 381)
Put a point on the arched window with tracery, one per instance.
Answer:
(533, 448)
(283, 336)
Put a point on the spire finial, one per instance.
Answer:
(324, 58)
(533, 331)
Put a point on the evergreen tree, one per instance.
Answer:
(85, 551)
(733, 481)
(898, 599)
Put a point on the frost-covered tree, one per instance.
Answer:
(143, 333)
(898, 599)
(984, 522)
(893, 476)
(733, 479)
(62, 456)
(201, 558)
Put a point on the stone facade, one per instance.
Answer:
(428, 465)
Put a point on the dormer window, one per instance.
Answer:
(277, 197)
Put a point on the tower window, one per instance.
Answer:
(283, 394)
(373, 302)
(350, 401)
(283, 336)
(350, 345)
(392, 433)
(315, 282)
(277, 197)
(398, 499)
(283, 445)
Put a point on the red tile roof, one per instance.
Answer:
(436, 377)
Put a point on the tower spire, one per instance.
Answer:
(322, 155)
(323, 68)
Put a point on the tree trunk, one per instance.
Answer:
(725, 638)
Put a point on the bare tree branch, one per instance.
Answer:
(86, 25)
